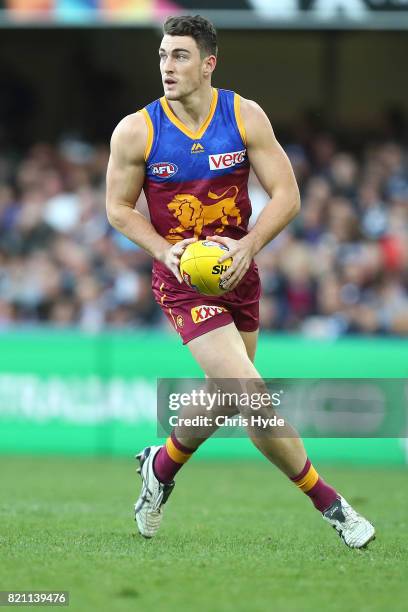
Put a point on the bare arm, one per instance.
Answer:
(124, 182)
(274, 171)
(275, 174)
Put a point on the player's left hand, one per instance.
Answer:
(172, 255)
(242, 254)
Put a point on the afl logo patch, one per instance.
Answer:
(163, 170)
(180, 321)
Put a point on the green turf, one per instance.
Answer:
(236, 537)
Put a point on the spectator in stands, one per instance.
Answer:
(340, 268)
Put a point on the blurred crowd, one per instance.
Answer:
(340, 268)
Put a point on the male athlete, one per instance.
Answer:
(189, 151)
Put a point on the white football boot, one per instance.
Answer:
(154, 494)
(354, 529)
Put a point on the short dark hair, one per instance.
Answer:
(199, 28)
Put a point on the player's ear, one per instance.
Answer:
(209, 63)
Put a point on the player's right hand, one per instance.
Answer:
(172, 255)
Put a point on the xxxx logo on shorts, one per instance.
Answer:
(202, 313)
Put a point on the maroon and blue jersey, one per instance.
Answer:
(197, 185)
(197, 182)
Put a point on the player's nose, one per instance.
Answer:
(168, 66)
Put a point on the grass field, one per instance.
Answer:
(236, 537)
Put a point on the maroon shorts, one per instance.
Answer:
(193, 314)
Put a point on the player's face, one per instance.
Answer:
(181, 65)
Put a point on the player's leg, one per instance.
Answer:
(183, 434)
(250, 340)
(160, 464)
(190, 316)
(184, 441)
(223, 353)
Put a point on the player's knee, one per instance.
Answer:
(255, 400)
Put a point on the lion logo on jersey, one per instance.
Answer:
(192, 214)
